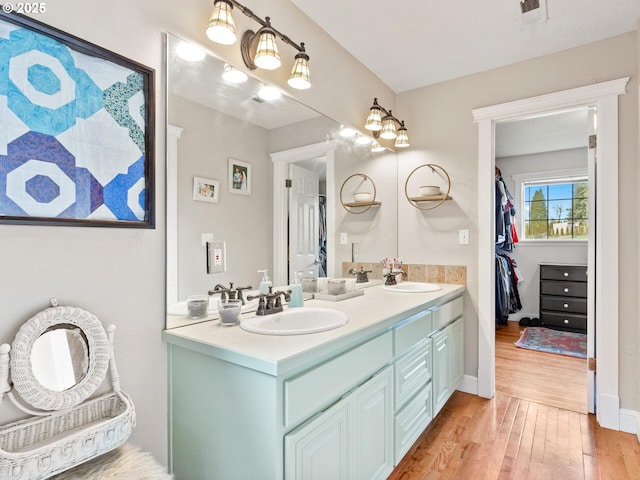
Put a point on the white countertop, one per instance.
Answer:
(368, 314)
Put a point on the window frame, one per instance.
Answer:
(573, 175)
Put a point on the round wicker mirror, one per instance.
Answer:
(70, 340)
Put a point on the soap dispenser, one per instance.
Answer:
(296, 292)
(265, 283)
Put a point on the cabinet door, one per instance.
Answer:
(373, 428)
(441, 367)
(456, 354)
(319, 449)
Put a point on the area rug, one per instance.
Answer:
(127, 462)
(554, 341)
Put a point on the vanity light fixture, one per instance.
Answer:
(269, 93)
(259, 49)
(384, 125)
(376, 147)
(233, 75)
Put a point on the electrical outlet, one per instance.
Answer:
(216, 257)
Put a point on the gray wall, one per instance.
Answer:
(529, 255)
(444, 133)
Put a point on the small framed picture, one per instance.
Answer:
(239, 177)
(206, 190)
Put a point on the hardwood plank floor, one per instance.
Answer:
(546, 378)
(522, 434)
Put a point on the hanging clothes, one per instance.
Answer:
(322, 236)
(507, 295)
(506, 234)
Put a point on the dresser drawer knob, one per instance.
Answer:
(566, 274)
(566, 290)
(566, 305)
(566, 321)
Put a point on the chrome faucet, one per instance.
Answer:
(271, 302)
(361, 276)
(231, 292)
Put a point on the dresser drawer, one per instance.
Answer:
(568, 321)
(564, 289)
(411, 421)
(411, 332)
(573, 273)
(564, 304)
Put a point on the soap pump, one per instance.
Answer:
(296, 292)
(265, 284)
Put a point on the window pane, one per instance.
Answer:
(560, 191)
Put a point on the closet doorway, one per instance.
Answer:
(603, 96)
(543, 207)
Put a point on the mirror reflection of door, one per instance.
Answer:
(304, 222)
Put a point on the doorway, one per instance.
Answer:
(604, 96)
(542, 167)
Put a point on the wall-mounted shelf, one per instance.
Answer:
(359, 207)
(429, 202)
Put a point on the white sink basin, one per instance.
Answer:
(295, 321)
(412, 287)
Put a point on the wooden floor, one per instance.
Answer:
(547, 378)
(518, 435)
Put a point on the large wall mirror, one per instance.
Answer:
(218, 129)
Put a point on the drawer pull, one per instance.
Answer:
(566, 274)
(566, 290)
(566, 305)
(566, 321)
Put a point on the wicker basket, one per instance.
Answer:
(39, 447)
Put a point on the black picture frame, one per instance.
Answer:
(87, 162)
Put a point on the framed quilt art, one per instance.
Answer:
(76, 131)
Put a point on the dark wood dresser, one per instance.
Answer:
(563, 297)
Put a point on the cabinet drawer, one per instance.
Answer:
(412, 332)
(569, 321)
(412, 372)
(564, 304)
(312, 391)
(574, 273)
(564, 289)
(411, 421)
(446, 313)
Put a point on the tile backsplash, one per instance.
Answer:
(416, 272)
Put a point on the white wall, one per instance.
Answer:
(443, 132)
(529, 255)
(119, 274)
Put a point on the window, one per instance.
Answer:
(555, 209)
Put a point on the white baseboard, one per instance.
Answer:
(469, 384)
(630, 422)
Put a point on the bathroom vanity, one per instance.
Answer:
(342, 404)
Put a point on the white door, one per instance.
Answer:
(304, 218)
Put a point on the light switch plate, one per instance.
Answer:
(344, 238)
(463, 237)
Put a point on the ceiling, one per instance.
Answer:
(413, 43)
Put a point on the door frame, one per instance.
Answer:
(604, 96)
(281, 161)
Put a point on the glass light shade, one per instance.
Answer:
(388, 129)
(300, 77)
(402, 140)
(222, 28)
(269, 93)
(374, 120)
(376, 147)
(190, 52)
(233, 75)
(267, 56)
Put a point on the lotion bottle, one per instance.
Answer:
(296, 292)
(265, 283)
